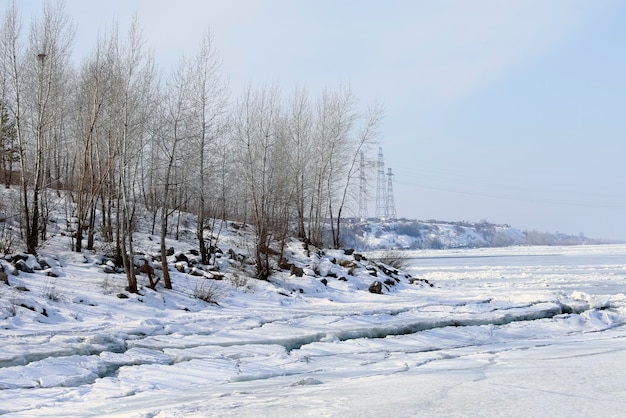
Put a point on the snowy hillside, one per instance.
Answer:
(410, 234)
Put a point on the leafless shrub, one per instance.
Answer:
(11, 303)
(108, 286)
(239, 281)
(7, 238)
(395, 259)
(208, 291)
(52, 293)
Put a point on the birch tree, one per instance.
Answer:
(34, 75)
(299, 129)
(47, 60)
(256, 118)
(90, 171)
(366, 135)
(132, 102)
(208, 102)
(172, 133)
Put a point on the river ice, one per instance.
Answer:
(523, 331)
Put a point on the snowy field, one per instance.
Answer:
(530, 332)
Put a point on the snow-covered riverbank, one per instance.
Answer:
(530, 331)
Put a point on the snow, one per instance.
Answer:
(531, 331)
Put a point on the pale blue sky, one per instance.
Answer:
(509, 111)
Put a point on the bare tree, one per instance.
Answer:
(339, 134)
(34, 79)
(47, 60)
(364, 137)
(90, 102)
(8, 145)
(299, 131)
(255, 129)
(172, 133)
(132, 94)
(208, 102)
(12, 60)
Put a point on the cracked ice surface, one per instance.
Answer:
(504, 332)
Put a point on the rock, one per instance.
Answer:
(4, 278)
(390, 282)
(43, 263)
(122, 296)
(415, 280)
(18, 257)
(170, 252)
(348, 251)
(52, 273)
(106, 268)
(22, 266)
(324, 282)
(342, 279)
(194, 271)
(11, 269)
(297, 271)
(376, 287)
(284, 264)
(27, 261)
(181, 257)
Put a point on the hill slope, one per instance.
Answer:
(412, 234)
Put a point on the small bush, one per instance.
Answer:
(52, 293)
(10, 305)
(208, 291)
(238, 281)
(108, 285)
(395, 259)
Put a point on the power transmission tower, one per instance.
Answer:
(390, 206)
(362, 190)
(381, 195)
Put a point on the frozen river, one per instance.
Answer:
(533, 331)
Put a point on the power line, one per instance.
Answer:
(563, 202)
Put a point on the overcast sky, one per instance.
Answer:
(508, 111)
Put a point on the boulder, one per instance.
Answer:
(53, 273)
(376, 287)
(297, 271)
(22, 266)
(181, 257)
(4, 278)
(108, 269)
